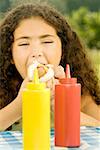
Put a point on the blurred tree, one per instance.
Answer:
(65, 6)
(14, 3)
(76, 4)
(4, 5)
(61, 5)
(87, 24)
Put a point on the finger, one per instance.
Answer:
(59, 72)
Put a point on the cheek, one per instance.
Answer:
(20, 62)
(18, 58)
(54, 56)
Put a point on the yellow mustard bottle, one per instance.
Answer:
(36, 115)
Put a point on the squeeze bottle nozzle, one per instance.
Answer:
(68, 75)
(68, 79)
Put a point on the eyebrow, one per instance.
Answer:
(41, 37)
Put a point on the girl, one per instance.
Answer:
(38, 32)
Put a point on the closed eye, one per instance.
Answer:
(24, 44)
(46, 42)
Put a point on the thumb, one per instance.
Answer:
(59, 72)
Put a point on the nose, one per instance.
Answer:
(36, 54)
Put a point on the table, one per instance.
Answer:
(90, 140)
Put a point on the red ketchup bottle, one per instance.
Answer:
(67, 111)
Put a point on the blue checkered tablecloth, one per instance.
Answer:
(90, 140)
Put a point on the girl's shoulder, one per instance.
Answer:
(89, 106)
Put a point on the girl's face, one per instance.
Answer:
(34, 39)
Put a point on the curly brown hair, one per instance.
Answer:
(73, 52)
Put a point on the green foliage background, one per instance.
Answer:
(87, 25)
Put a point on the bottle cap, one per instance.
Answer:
(68, 79)
(35, 84)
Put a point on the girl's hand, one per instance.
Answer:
(58, 74)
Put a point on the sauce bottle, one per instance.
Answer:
(67, 111)
(36, 115)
